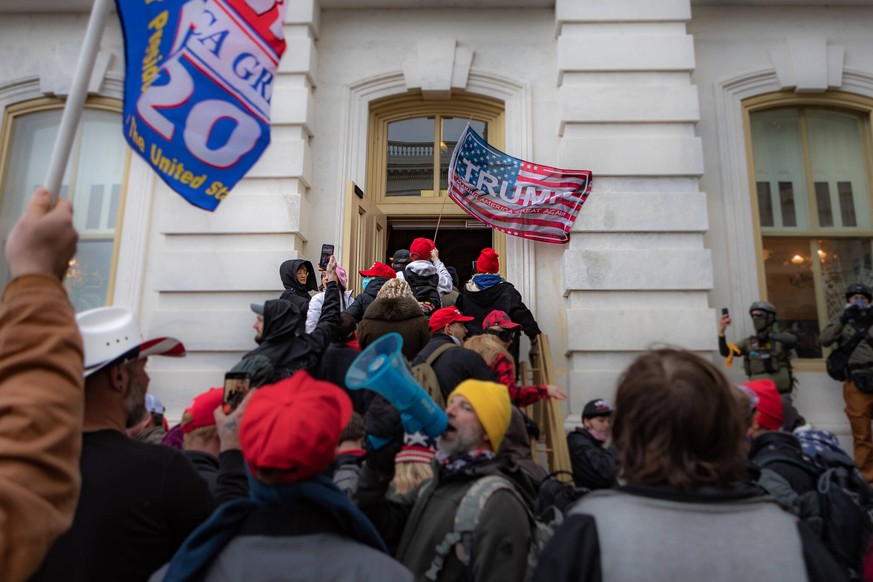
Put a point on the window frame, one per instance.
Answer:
(834, 100)
(42, 104)
(415, 105)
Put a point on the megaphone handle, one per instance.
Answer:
(378, 442)
(410, 424)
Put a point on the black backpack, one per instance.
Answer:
(837, 363)
(839, 510)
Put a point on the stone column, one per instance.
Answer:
(636, 272)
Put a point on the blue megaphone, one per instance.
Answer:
(383, 369)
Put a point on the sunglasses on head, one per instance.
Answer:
(504, 334)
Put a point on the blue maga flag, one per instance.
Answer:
(198, 86)
(514, 196)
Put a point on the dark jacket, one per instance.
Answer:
(455, 365)
(395, 314)
(593, 463)
(294, 291)
(363, 301)
(334, 366)
(286, 345)
(782, 444)
(478, 303)
(138, 503)
(707, 534)
(424, 280)
(423, 517)
(299, 541)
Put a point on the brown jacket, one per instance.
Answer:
(398, 314)
(41, 408)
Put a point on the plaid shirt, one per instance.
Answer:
(521, 396)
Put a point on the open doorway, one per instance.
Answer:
(459, 240)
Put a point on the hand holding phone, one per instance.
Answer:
(236, 386)
(326, 254)
(724, 311)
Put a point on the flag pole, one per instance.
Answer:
(76, 98)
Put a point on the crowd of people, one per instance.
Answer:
(686, 477)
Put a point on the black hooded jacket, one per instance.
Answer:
(294, 291)
(503, 296)
(284, 342)
(363, 301)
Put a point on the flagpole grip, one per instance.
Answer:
(76, 98)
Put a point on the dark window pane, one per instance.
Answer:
(847, 204)
(410, 157)
(87, 279)
(113, 205)
(791, 288)
(765, 204)
(823, 201)
(452, 128)
(786, 201)
(95, 207)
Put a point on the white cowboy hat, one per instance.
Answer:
(111, 336)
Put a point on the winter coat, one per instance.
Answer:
(395, 314)
(283, 342)
(593, 463)
(298, 542)
(294, 291)
(314, 311)
(707, 534)
(478, 303)
(334, 366)
(783, 444)
(453, 366)
(424, 516)
(424, 281)
(363, 301)
(41, 425)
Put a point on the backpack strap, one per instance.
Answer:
(466, 520)
(766, 459)
(440, 351)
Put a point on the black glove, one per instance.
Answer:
(383, 420)
(849, 313)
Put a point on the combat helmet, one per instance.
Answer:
(859, 289)
(763, 306)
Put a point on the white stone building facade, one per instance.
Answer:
(654, 97)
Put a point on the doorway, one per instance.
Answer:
(459, 240)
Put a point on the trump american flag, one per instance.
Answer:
(514, 196)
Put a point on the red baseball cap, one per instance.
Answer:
(202, 409)
(769, 404)
(294, 426)
(421, 248)
(379, 270)
(499, 319)
(443, 317)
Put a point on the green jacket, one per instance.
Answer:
(501, 542)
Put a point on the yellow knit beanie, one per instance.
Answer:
(490, 400)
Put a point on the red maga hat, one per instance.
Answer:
(379, 270)
(294, 426)
(443, 317)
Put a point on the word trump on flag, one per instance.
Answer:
(514, 196)
(198, 86)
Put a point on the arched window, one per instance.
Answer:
(92, 181)
(412, 139)
(812, 164)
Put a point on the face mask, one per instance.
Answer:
(760, 323)
(860, 303)
(365, 282)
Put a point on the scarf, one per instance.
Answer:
(487, 280)
(452, 464)
(205, 543)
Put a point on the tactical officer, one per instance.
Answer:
(767, 354)
(851, 331)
